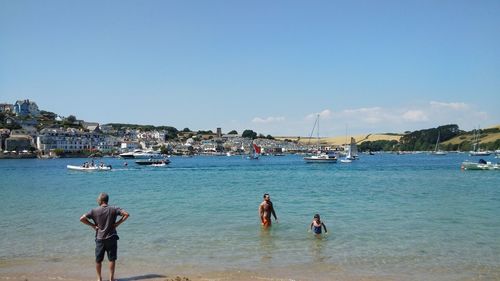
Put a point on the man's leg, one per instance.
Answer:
(99, 256)
(111, 270)
(112, 248)
(98, 266)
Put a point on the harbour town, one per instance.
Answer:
(28, 132)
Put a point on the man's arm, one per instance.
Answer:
(124, 217)
(273, 212)
(86, 221)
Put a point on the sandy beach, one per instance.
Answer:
(126, 271)
(235, 275)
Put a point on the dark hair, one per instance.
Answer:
(316, 216)
(265, 194)
(102, 198)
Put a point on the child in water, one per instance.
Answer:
(316, 225)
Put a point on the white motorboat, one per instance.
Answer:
(320, 158)
(159, 165)
(479, 153)
(153, 162)
(481, 165)
(90, 168)
(141, 154)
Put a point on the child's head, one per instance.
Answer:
(316, 217)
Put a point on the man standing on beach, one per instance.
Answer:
(266, 209)
(106, 238)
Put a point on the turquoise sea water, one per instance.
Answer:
(402, 217)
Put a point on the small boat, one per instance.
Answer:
(255, 152)
(159, 165)
(153, 162)
(140, 154)
(476, 145)
(352, 152)
(479, 153)
(438, 151)
(321, 158)
(481, 165)
(90, 168)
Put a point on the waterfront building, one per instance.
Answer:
(29, 131)
(208, 147)
(4, 134)
(18, 143)
(126, 146)
(71, 140)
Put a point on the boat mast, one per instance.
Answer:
(437, 142)
(318, 134)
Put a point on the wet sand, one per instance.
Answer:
(49, 271)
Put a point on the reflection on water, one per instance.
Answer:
(319, 243)
(266, 244)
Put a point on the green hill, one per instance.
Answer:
(489, 140)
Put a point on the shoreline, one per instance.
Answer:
(76, 270)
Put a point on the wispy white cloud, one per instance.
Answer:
(449, 105)
(370, 115)
(325, 114)
(415, 116)
(363, 110)
(379, 119)
(268, 120)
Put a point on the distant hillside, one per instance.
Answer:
(489, 139)
(340, 140)
(425, 139)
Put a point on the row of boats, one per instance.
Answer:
(153, 159)
(330, 157)
(319, 158)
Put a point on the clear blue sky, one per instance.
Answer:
(270, 66)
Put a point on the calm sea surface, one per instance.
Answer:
(404, 217)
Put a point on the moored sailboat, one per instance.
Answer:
(437, 151)
(320, 157)
(476, 146)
